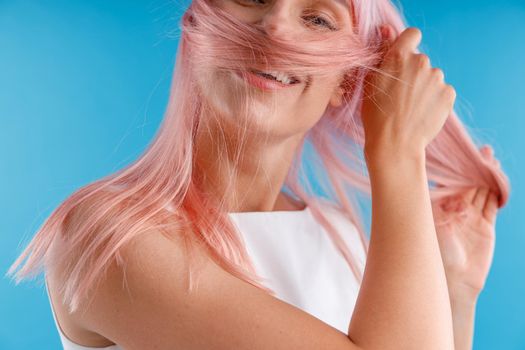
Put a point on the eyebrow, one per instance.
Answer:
(349, 6)
(339, 2)
(342, 2)
(346, 4)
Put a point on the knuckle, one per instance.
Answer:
(415, 31)
(398, 55)
(438, 74)
(450, 92)
(422, 60)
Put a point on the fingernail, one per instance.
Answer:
(489, 150)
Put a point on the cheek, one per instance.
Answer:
(215, 88)
(226, 95)
(314, 103)
(318, 97)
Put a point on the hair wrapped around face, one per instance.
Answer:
(161, 191)
(218, 38)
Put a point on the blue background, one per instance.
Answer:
(83, 86)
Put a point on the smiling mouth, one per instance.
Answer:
(284, 78)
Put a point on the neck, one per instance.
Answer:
(247, 176)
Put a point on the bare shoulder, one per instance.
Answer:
(68, 322)
(145, 303)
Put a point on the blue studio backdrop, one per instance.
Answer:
(84, 84)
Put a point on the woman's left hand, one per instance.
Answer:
(467, 243)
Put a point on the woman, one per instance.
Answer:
(253, 82)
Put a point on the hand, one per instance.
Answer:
(407, 103)
(467, 243)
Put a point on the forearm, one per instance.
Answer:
(463, 304)
(403, 301)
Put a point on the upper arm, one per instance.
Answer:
(146, 305)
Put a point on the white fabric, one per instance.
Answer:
(298, 260)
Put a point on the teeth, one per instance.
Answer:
(280, 76)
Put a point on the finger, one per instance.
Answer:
(408, 40)
(491, 207)
(480, 198)
(388, 37)
(469, 195)
(487, 151)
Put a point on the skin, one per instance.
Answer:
(402, 281)
(467, 248)
(279, 130)
(403, 111)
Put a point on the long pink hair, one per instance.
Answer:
(161, 189)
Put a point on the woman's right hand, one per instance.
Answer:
(407, 103)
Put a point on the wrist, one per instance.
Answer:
(461, 293)
(381, 152)
(463, 311)
(464, 303)
(386, 160)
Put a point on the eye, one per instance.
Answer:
(257, 2)
(313, 19)
(320, 21)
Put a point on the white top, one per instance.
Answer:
(298, 260)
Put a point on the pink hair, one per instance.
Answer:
(160, 190)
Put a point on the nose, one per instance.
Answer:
(277, 21)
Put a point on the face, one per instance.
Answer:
(291, 109)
